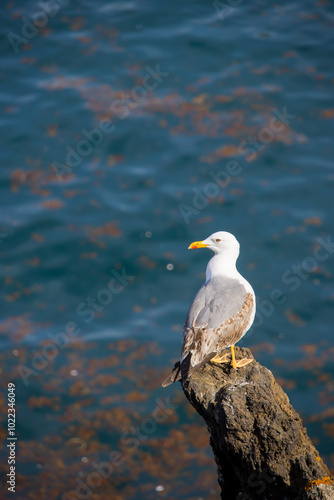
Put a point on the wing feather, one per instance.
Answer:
(218, 317)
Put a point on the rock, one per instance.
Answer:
(260, 445)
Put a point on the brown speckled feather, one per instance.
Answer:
(219, 316)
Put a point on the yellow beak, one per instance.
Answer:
(197, 244)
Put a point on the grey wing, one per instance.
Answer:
(216, 319)
(224, 299)
(196, 307)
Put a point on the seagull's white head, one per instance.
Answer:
(221, 242)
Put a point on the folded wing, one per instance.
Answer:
(218, 317)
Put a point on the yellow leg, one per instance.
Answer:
(241, 362)
(220, 359)
(233, 363)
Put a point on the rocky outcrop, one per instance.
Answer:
(260, 445)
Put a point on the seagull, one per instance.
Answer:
(221, 313)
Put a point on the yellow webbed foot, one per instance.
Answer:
(220, 359)
(243, 362)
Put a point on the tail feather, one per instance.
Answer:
(174, 376)
(185, 370)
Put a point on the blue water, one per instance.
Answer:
(131, 129)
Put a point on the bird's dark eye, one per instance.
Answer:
(217, 240)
